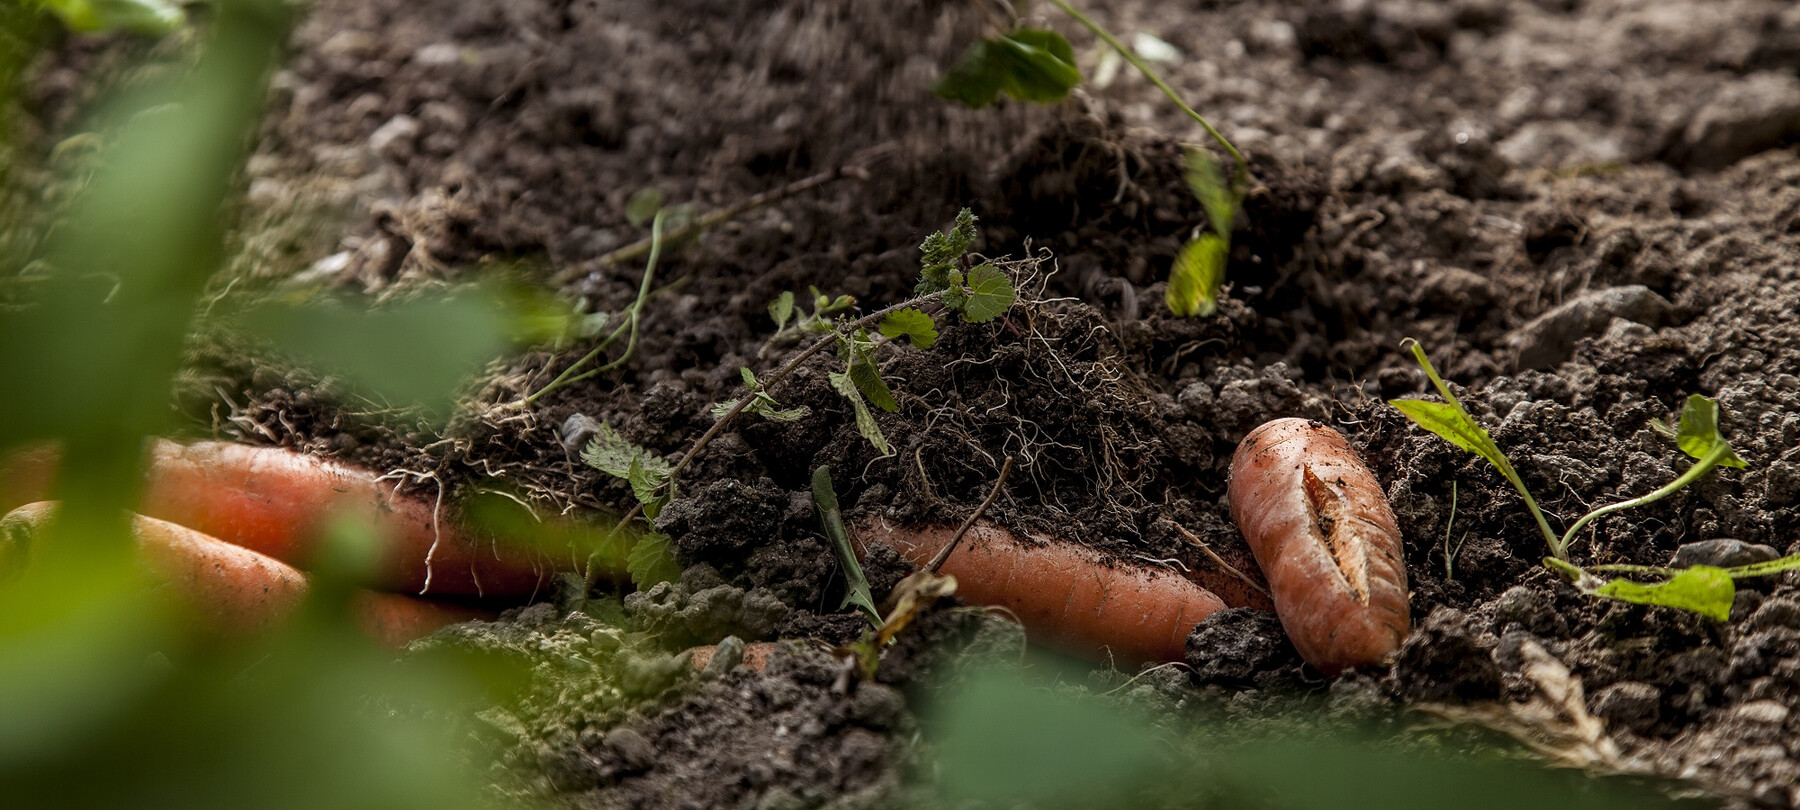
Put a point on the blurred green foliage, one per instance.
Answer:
(1003, 739)
(108, 698)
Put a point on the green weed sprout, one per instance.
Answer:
(949, 282)
(1702, 589)
(1037, 65)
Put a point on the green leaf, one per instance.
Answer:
(1038, 66)
(642, 207)
(781, 310)
(988, 294)
(612, 454)
(865, 421)
(1702, 589)
(831, 519)
(1208, 184)
(917, 327)
(646, 482)
(940, 252)
(1029, 64)
(148, 17)
(1763, 569)
(652, 562)
(1698, 434)
(770, 409)
(868, 380)
(1450, 423)
(748, 376)
(1194, 280)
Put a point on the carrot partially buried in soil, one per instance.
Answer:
(232, 591)
(1321, 528)
(277, 502)
(1066, 595)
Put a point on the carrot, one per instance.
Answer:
(1066, 595)
(1321, 528)
(235, 592)
(756, 655)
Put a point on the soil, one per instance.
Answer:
(1585, 210)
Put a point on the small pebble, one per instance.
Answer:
(1721, 553)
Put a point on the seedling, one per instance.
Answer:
(831, 519)
(1037, 65)
(948, 283)
(1702, 589)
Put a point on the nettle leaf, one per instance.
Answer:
(987, 294)
(652, 562)
(940, 252)
(1195, 279)
(1698, 434)
(868, 380)
(771, 410)
(612, 454)
(1702, 589)
(645, 483)
(1029, 64)
(917, 327)
(865, 421)
(781, 310)
(1208, 184)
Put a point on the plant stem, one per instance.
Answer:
(632, 316)
(1700, 468)
(780, 374)
(1243, 165)
(938, 561)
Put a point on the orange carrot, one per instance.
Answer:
(277, 502)
(1065, 595)
(235, 592)
(756, 655)
(1327, 541)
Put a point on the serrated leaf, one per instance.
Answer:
(748, 376)
(865, 421)
(652, 562)
(941, 250)
(610, 453)
(989, 293)
(1698, 434)
(1215, 195)
(1198, 272)
(868, 380)
(642, 206)
(781, 310)
(645, 482)
(917, 327)
(1702, 589)
(769, 409)
(719, 409)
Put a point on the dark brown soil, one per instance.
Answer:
(1585, 210)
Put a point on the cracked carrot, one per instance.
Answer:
(1326, 539)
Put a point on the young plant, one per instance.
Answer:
(1037, 65)
(948, 283)
(1702, 589)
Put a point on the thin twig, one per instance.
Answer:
(938, 561)
(858, 168)
(1220, 561)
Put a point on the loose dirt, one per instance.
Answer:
(1585, 210)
